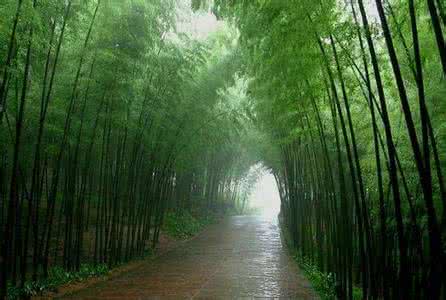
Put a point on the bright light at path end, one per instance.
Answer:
(265, 196)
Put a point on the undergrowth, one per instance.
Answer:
(179, 225)
(57, 277)
(323, 283)
(183, 225)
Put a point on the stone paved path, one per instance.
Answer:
(242, 257)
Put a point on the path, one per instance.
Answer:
(241, 257)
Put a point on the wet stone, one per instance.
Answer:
(239, 258)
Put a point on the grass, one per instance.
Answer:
(323, 283)
(179, 225)
(56, 277)
(183, 225)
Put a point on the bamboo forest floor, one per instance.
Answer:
(239, 257)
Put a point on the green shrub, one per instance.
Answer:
(183, 225)
(323, 283)
(57, 276)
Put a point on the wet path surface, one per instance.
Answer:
(241, 257)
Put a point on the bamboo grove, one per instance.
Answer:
(109, 118)
(350, 97)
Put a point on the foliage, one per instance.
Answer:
(183, 225)
(323, 283)
(57, 277)
(343, 94)
(111, 116)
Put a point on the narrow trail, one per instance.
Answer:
(242, 257)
